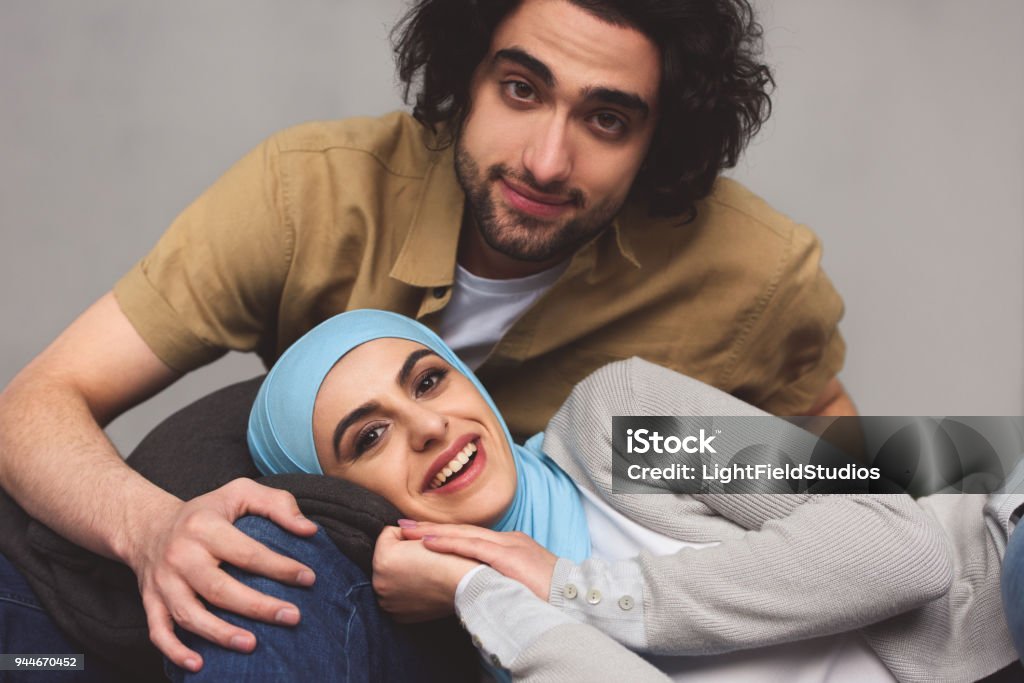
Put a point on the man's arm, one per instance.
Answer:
(58, 464)
(833, 401)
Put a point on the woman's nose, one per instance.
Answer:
(426, 427)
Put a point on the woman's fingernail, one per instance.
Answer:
(407, 523)
(429, 537)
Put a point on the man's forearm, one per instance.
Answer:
(57, 463)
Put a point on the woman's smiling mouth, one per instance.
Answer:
(457, 467)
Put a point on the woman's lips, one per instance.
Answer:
(466, 476)
(531, 203)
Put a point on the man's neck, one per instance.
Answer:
(480, 259)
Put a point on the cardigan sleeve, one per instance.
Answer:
(536, 642)
(797, 566)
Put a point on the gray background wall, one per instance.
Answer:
(897, 136)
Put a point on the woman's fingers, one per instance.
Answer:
(414, 531)
(479, 549)
(518, 557)
(412, 583)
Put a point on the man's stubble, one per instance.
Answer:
(519, 236)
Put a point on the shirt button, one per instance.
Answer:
(594, 596)
(495, 661)
(476, 641)
(439, 292)
(570, 591)
(626, 602)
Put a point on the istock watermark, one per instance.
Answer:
(916, 455)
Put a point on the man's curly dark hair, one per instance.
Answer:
(714, 93)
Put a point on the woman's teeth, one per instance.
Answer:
(455, 465)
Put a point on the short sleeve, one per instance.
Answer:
(794, 346)
(214, 280)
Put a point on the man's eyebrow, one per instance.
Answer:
(350, 419)
(527, 61)
(627, 100)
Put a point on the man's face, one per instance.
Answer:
(563, 109)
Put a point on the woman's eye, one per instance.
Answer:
(368, 438)
(519, 90)
(428, 381)
(609, 123)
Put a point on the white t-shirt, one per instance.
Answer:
(482, 310)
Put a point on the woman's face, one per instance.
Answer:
(396, 419)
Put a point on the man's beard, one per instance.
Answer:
(520, 236)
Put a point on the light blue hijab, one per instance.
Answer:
(546, 505)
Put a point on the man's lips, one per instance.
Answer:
(534, 203)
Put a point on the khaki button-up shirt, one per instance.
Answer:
(365, 213)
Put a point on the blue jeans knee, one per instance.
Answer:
(343, 635)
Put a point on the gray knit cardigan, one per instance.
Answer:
(919, 579)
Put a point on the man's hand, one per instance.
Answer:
(512, 553)
(833, 401)
(178, 561)
(412, 583)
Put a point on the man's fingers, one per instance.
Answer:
(249, 554)
(275, 504)
(161, 634)
(191, 615)
(221, 589)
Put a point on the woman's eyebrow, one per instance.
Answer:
(350, 419)
(410, 363)
(362, 411)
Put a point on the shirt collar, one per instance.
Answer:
(427, 257)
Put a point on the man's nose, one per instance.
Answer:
(548, 154)
(427, 427)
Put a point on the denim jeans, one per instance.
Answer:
(343, 635)
(25, 628)
(1013, 587)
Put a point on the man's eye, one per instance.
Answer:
(609, 123)
(519, 90)
(429, 380)
(368, 438)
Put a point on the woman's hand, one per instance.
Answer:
(412, 583)
(512, 553)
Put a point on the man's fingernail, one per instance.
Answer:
(239, 643)
(192, 664)
(306, 578)
(287, 615)
(407, 523)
